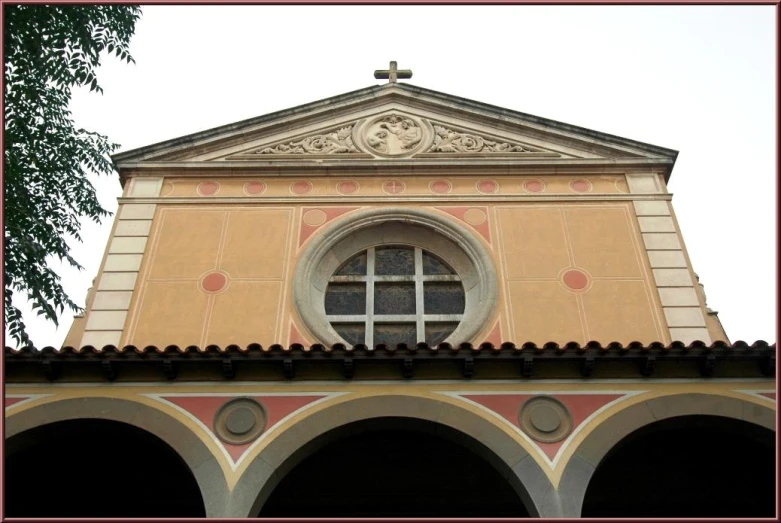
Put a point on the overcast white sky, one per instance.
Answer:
(700, 80)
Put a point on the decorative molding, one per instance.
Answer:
(450, 141)
(402, 195)
(337, 142)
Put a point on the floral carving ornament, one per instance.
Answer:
(448, 141)
(337, 142)
(395, 135)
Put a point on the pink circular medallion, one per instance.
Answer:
(347, 187)
(575, 279)
(255, 188)
(487, 186)
(581, 185)
(301, 187)
(534, 186)
(208, 188)
(214, 282)
(394, 187)
(440, 187)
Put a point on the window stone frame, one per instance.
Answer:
(341, 239)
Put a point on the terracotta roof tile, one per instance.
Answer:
(508, 346)
(110, 361)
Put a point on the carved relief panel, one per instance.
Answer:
(394, 135)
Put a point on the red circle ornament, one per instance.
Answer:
(534, 186)
(301, 187)
(487, 186)
(256, 188)
(581, 185)
(347, 187)
(214, 282)
(394, 187)
(441, 187)
(208, 188)
(575, 279)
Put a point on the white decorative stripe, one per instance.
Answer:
(757, 393)
(270, 430)
(551, 463)
(29, 398)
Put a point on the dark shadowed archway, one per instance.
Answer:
(393, 467)
(687, 466)
(96, 468)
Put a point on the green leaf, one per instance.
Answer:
(49, 49)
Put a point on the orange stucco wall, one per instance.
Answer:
(254, 240)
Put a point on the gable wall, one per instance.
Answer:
(173, 232)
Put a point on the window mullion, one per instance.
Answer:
(369, 335)
(421, 327)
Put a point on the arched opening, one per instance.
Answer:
(394, 467)
(96, 468)
(687, 466)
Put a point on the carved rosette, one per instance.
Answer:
(338, 142)
(449, 141)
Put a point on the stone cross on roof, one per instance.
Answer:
(392, 74)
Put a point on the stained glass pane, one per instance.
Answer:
(443, 298)
(352, 333)
(345, 298)
(394, 333)
(394, 298)
(433, 265)
(394, 261)
(355, 266)
(436, 333)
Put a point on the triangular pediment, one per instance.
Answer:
(394, 133)
(393, 122)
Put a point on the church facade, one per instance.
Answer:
(395, 302)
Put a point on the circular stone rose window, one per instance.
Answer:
(395, 276)
(394, 294)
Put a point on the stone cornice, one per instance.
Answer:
(405, 94)
(247, 200)
(460, 162)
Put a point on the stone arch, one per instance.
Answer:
(590, 452)
(200, 460)
(507, 455)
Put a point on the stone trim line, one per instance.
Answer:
(401, 198)
(114, 288)
(673, 280)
